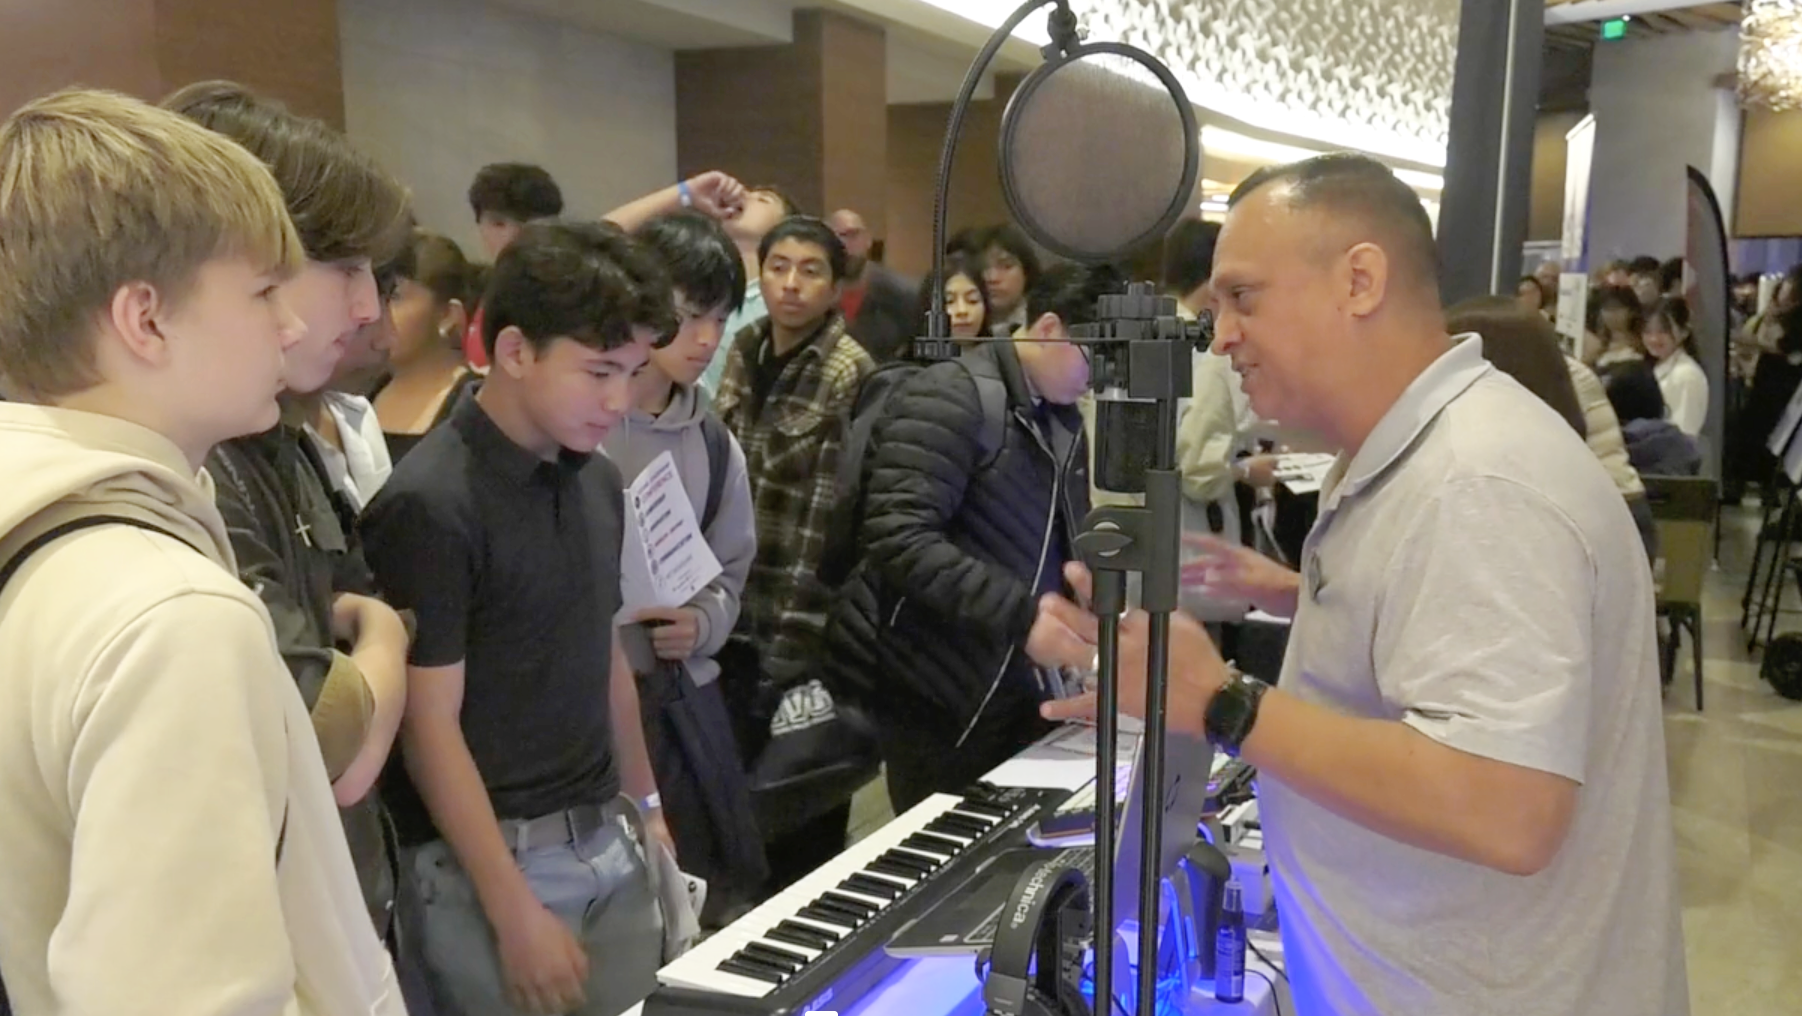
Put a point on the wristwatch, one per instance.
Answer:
(1233, 711)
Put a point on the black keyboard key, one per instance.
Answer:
(870, 885)
(754, 971)
(815, 912)
(819, 937)
(984, 808)
(851, 903)
(776, 956)
(803, 937)
(928, 843)
(884, 866)
(957, 825)
(919, 866)
(854, 914)
(933, 861)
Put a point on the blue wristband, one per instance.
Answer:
(685, 193)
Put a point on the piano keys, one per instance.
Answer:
(819, 943)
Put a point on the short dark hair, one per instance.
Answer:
(1645, 264)
(808, 229)
(1072, 291)
(969, 266)
(344, 205)
(789, 205)
(701, 259)
(1009, 238)
(584, 281)
(1633, 391)
(515, 190)
(1533, 280)
(1348, 184)
(1625, 297)
(1189, 255)
(1525, 346)
(1670, 273)
(967, 240)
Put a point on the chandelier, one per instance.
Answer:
(1770, 55)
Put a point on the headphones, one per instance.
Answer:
(1035, 966)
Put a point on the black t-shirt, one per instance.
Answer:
(767, 365)
(512, 566)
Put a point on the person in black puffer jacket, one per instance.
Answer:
(929, 633)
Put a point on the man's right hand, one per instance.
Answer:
(1230, 571)
(544, 966)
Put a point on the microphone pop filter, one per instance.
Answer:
(1099, 152)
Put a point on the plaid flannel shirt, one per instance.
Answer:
(792, 447)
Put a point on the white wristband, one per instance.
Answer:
(654, 802)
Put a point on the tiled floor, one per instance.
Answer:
(1736, 790)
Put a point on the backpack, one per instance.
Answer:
(1782, 667)
(44, 539)
(843, 545)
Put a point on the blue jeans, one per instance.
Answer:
(599, 887)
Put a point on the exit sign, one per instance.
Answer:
(1614, 28)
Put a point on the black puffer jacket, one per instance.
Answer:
(934, 619)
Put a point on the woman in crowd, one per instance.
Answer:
(966, 297)
(1672, 349)
(1011, 267)
(1655, 445)
(1617, 329)
(1531, 295)
(1776, 335)
(431, 297)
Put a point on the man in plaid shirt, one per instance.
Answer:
(790, 383)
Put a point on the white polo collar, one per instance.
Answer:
(1420, 404)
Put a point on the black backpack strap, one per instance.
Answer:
(51, 535)
(719, 459)
(992, 392)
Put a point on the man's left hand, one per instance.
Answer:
(675, 631)
(1067, 634)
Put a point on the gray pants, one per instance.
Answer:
(599, 887)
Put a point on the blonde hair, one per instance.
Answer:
(99, 191)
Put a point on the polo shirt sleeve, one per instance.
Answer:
(1484, 633)
(425, 563)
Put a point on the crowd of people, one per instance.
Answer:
(328, 689)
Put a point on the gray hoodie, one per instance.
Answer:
(733, 536)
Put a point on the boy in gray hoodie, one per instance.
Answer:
(706, 798)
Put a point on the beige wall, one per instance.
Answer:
(148, 48)
(436, 89)
(1770, 164)
(916, 137)
(1545, 219)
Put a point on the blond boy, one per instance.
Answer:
(169, 840)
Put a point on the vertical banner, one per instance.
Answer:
(1573, 284)
(1709, 288)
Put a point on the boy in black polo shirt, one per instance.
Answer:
(502, 531)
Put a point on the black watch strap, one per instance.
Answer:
(1233, 712)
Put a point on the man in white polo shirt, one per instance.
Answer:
(1463, 772)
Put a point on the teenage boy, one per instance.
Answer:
(762, 207)
(502, 531)
(960, 542)
(170, 840)
(273, 492)
(504, 197)
(707, 798)
(790, 384)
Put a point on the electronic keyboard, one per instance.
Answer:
(818, 945)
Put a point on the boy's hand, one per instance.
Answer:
(675, 631)
(545, 967)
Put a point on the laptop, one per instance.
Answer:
(964, 919)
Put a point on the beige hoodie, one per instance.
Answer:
(150, 743)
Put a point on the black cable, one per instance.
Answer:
(1276, 998)
(1272, 964)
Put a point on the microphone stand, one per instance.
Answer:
(1142, 349)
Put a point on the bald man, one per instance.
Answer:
(881, 306)
(1462, 767)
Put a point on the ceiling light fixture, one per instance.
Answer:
(1770, 55)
